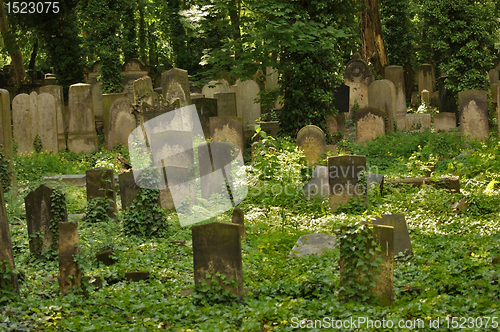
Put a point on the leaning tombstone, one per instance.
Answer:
(418, 122)
(217, 250)
(227, 129)
(6, 254)
(474, 114)
(82, 136)
(69, 272)
(402, 243)
(382, 95)
(311, 139)
(395, 74)
(357, 76)
(238, 218)
(41, 219)
(101, 185)
(347, 177)
(444, 121)
(370, 123)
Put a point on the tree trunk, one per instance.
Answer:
(234, 14)
(12, 47)
(371, 35)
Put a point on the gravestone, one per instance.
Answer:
(246, 93)
(23, 118)
(395, 74)
(313, 244)
(57, 92)
(425, 78)
(341, 98)
(425, 97)
(217, 249)
(206, 108)
(6, 132)
(311, 139)
(382, 95)
(370, 122)
(69, 272)
(402, 243)
(175, 84)
(418, 122)
(213, 158)
(444, 121)
(494, 95)
(121, 123)
(101, 184)
(345, 181)
(447, 99)
(238, 218)
(336, 124)
(227, 129)
(133, 70)
(46, 121)
(82, 136)
(474, 114)
(375, 181)
(214, 87)
(6, 253)
(107, 100)
(96, 89)
(493, 76)
(129, 190)
(39, 215)
(226, 103)
(357, 76)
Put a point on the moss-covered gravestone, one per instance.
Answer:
(347, 178)
(6, 253)
(69, 272)
(101, 185)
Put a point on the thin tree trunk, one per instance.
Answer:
(371, 35)
(12, 47)
(234, 14)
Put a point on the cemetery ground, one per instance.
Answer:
(452, 274)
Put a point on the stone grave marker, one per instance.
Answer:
(46, 121)
(6, 253)
(313, 244)
(444, 121)
(425, 78)
(336, 124)
(206, 108)
(69, 272)
(133, 70)
(217, 249)
(57, 92)
(214, 87)
(382, 95)
(121, 123)
(39, 215)
(107, 100)
(357, 76)
(318, 185)
(474, 114)
(395, 74)
(212, 182)
(226, 103)
(174, 83)
(246, 93)
(22, 119)
(101, 184)
(238, 218)
(493, 75)
(82, 136)
(425, 97)
(6, 132)
(311, 139)
(95, 88)
(370, 122)
(129, 190)
(227, 129)
(402, 243)
(344, 178)
(418, 122)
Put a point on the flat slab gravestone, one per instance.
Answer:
(445, 121)
(473, 105)
(313, 244)
(370, 123)
(418, 122)
(402, 243)
(69, 272)
(382, 95)
(311, 139)
(344, 172)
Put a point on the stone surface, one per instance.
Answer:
(6, 253)
(96, 93)
(247, 109)
(418, 122)
(313, 244)
(46, 121)
(227, 129)
(104, 256)
(6, 132)
(217, 249)
(402, 243)
(74, 180)
(101, 184)
(38, 204)
(374, 181)
(382, 95)
(238, 218)
(82, 136)
(318, 185)
(206, 108)
(57, 92)
(395, 74)
(311, 139)
(451, 183)
(174, 82)
(425, 78)
(336, 124)
(214, 87)
(121, 123)
(107, 101)
(226, 103)
(344, 182)
(425, 97)
(493, 76)
(69, 273)
(474, 114)
(444, 121)
(129, 190)
(134, 65)
(370, 122)
(357, 76)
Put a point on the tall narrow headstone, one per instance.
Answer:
(358, 77)
(444, 121)
(226, 103)
(217, 249)
(107, 101)
(370, 123)
(247, 108)
(402, 243)
(346, 179)
(382, 95)
(311, 139)
(6, 253)
(82, 136)
(101, 184)
(121, 123)
(425, 78)
(46, 121)
(69, 272)
(129, 190)
(395, 74)
(96, 89)
(57, 92)
(227, 129)
(176, 82)
(474, 114)
(6, 132)
(23, 118)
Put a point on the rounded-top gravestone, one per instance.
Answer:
(311, 139)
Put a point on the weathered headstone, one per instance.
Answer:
(129, 190)
(6, 132)
(82, 136)
(226, 103)
(375, 181)
(311, 139)
(358, 77)
(425, 78)
(57, 92)
(96, 89)
(382, 95)
(133, 70)
(206, 108)
(69, 272)
(425, 97)
(493, 75)
(370, 122)
(174, 82)
(46, 121)
(238, 218)
(395, 74)
(336, 124)
(402, 243)
(444, 121)
(345, 179)
(6, 253)
(214, 87)
(474, 114)
(418, 122)
(246, 93)
(101, 184)
(121, 123)
(313, 244)
(217, 249)
(227, 129)
(39, 215)
(107, 101)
